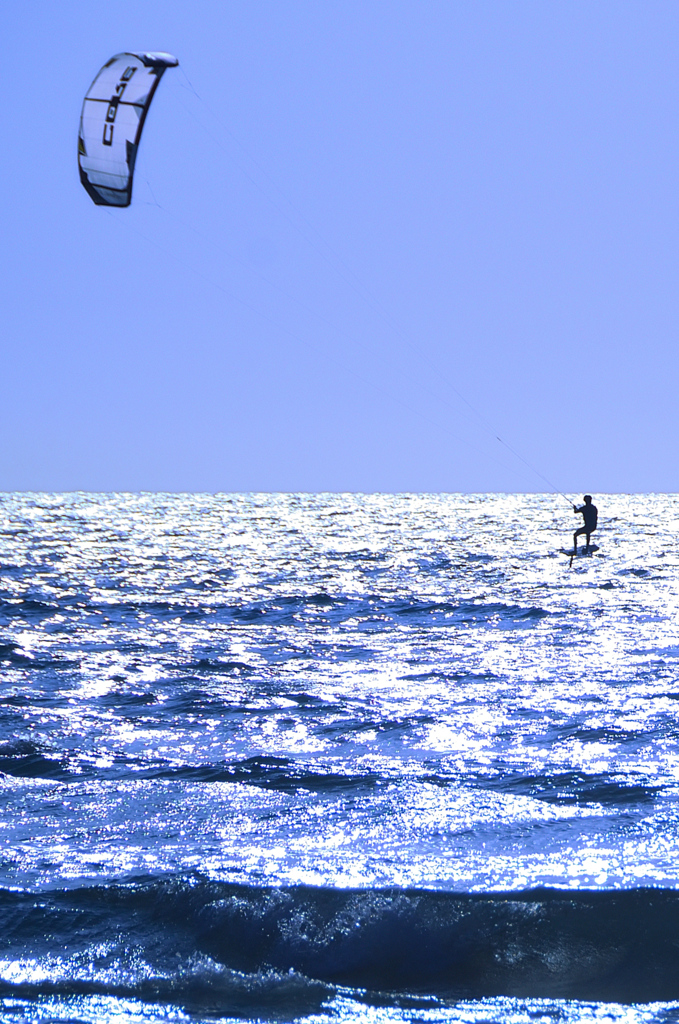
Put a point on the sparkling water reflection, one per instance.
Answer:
(338, 690)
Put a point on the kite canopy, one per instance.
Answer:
(111, 123)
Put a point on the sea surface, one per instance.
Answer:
(338, 757)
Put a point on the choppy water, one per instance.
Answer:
(345, 757)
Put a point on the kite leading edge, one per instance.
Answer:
(111, 123)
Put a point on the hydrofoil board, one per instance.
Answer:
(581, 551)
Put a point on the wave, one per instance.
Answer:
(21, 758)
(285, 775)
(218, 667)
(30, 609)
(320, 607)
(11, 656)
(202, 987)
(277, 773)
(618, 946)
(576, 788)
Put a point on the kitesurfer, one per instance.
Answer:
(589, 514)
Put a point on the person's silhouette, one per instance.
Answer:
(589, 514)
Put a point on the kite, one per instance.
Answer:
(111, 123)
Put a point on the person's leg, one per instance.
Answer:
(578, 533)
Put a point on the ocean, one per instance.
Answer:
(338, 757)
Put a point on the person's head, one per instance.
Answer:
(588, 498)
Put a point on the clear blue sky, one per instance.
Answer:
(368, 210)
